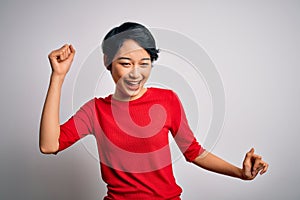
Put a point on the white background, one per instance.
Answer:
(254, 45)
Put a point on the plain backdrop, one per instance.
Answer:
(254, 45)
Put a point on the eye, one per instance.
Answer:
(125, 64)
(145, 64)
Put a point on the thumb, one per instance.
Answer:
(247, 165)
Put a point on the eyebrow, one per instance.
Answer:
(126, 58)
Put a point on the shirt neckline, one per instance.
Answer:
(131, 101)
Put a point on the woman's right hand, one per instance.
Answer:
(61, 60)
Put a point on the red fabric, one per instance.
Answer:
(132, 139)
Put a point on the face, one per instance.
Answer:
(130, 70)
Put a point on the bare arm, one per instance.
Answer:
(60, 60)
(252, 165)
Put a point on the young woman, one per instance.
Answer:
(131, 126)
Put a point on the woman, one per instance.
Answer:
(131, 126)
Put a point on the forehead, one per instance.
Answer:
(131, 48)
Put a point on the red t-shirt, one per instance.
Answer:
(133, 143)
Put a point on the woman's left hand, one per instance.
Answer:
(252, 165)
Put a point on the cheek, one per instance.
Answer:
(146, 73)
(117, 73)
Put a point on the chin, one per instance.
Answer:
(130, 90)
(134, 93)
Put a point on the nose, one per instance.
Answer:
(134, 73)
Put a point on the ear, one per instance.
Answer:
(105, 60)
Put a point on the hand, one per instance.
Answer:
(61, 59)
(252, 165)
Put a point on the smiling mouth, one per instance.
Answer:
(133, 82)
(133, 85)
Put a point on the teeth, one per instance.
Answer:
(133, 82)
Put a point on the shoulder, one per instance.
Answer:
(168, 96)
(88, 105)
(162, 91)
(94, 102)
(103, 100)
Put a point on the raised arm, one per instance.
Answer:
(60, 61)
(252, 165)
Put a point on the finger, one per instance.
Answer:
(257, 165)
(248, 157)
(67, 53)
(265, 168)
(61, 56)
(257, 161)
(58, 52)
(69, 50)
(64, 47)
(72, 51)
(247, 164)
(258, 170)
(250, 153)
(261, 166)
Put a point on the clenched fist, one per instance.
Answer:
(61, 59)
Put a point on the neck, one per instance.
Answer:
(120, 96)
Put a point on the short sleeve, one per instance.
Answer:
(182, 132)
(78, 126)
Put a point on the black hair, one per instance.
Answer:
(115, 38)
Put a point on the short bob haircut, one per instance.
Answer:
(115, 38)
